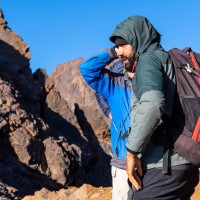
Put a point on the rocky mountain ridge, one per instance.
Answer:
(52, 133)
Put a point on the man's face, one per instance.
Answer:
(126, 53)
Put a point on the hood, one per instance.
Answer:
(139, 33)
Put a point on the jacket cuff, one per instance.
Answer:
(132, 152)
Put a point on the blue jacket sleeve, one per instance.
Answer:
(94, 74)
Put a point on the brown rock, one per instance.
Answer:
(58, 162)
(85, 192)
(71, 87)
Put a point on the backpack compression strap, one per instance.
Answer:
(196, 65)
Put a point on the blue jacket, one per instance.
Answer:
(116, 89)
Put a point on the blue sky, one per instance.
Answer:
(58, 31)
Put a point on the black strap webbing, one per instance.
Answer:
(166, 150)
(166, 163)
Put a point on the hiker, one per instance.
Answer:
(153, 96)
(115, 88)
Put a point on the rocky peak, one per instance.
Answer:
(52, 133)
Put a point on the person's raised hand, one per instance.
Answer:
(112, 53)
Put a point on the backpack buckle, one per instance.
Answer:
(188, 68)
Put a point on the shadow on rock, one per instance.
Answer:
(98, 169)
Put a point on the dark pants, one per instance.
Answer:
(178, 185)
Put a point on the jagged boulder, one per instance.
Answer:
(27, 148)
(70, 99)
(68, 82)
(47, 139)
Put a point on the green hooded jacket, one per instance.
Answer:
(153, 89)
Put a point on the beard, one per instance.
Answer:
(129, 65)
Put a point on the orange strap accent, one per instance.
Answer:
(134, 66)
(196, 133)
(195, 63)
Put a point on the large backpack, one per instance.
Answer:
(186, 119)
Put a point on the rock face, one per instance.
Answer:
(52, 133)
